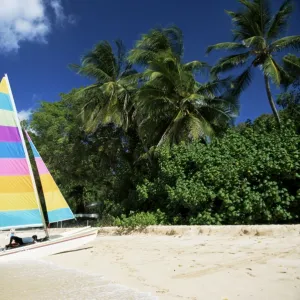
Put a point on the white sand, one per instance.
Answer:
(232, 262)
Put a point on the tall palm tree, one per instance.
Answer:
(256, 42)
(171, 105)
(109, 98)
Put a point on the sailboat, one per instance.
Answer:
(20, 205)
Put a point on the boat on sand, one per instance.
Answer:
(20, 205)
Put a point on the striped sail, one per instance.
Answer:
(57, 207)
(18, 202)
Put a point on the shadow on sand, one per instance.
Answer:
(75, 250)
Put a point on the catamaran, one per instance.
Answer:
(20, 205)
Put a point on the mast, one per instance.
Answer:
(26, 155)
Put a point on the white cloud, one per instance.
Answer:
(28, 20)
(24, 114)
(58, 9)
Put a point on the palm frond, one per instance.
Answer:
(102, 56)
(252, 20)
(292, 64)
(286, 79)
(250, 5)
(279, 22)
(262, 15)
(214, 87)
(257, 43)
(196, 67)
(230, 62)
(198, 127)
(220, 110)
(225, 46)
(175, 37)
(231, 105)
(285, 43)
(171, 131)
(92, 72)
(270, 69)
(101, 64)
(157, 40)
(241, 82)
(121, 53)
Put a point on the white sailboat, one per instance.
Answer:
(20, 205)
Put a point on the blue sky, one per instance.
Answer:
(39, 38)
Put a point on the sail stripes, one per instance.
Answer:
(13, 167)
(8, 201)
(41, 166)
(20, 218)
(11, 149)
(18, 204)
(15, 184)
(57, 207)
(5, 102)
(9, 134)
(7, 118)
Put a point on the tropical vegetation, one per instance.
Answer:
(257, 39)
(153, 139)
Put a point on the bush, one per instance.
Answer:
(140, 219)
(106, 220)
(249, 176)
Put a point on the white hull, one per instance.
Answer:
(53, 246)
(67, 233)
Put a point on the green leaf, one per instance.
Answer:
(270, 69)
(292, 64)
(256, 42)
(225, 46)
(285, 43)
(230, 62)
(279, 22)
(241, 82)
(196, 66)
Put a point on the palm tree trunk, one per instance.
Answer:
(271, 101)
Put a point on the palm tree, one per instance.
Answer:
(171, 106)
(110, 97)
(256, 43)
(157, 40)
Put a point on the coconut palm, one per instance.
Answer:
(172, 106)
(257, 40)
(109, 98)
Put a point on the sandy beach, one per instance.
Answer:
(208, 262)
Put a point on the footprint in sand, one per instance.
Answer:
(162, 291)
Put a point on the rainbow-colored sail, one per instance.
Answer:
(18, 202)
(57, 207)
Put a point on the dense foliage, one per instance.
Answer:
(160, 147)
(250, 176)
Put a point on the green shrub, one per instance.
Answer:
(106, 220)
(249, 176)
(140, 219)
